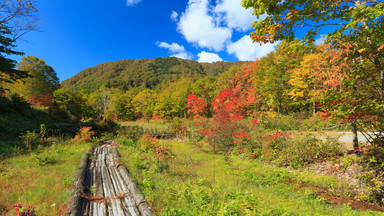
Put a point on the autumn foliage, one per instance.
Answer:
(196, 106)
(85, 134)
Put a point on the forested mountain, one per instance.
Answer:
(148, 73)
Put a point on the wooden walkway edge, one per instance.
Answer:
(103, 186)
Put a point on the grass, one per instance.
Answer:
(149, 127)
(195, 182)
(42, 179)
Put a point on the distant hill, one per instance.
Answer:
(147, 73)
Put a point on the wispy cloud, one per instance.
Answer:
(208, 57)
(174, 16)
(133, 2)
(234, 15)
(175, 49)
(245, 50)
(320, 40)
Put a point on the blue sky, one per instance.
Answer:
(77, 34)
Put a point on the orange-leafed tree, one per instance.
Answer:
(243, 88)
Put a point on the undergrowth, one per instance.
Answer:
(42, 178)
(195, 182)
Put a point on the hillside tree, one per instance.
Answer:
(357, 30)
(17, 17)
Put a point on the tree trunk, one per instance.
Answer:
(382, 83)
(355, 138)
(314, 102)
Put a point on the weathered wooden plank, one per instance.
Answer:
(110, 189)
(110, 193)
(75, 203)
(128, 205)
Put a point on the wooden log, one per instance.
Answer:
(115, 209)
(74, 207)
(108, 182)
(140, 201)
(127, 202)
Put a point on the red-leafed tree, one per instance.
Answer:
(243, 88)
(42, 100)
(226, 131)
(196, 106)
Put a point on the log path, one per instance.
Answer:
(108, 189)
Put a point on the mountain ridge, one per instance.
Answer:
(148, 73)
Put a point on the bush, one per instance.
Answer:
(85, 134)
(285, 149)
(45, 158)
(282, 122)
(127, 142)
(307, 150)
(177, 125)
(131, 132)
(148, 143)
(373, 157)
(103, 126)
(31, 140)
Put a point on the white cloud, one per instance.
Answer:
(234, 15)
(133, 2)
(320, 40)
(200, 28)
(208, 57)
(245, 50)
(176, 50)
(174, 16)
(174, 47)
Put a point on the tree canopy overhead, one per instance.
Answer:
(284, 19)
(17, 17)
(20, 16)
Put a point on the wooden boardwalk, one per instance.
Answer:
(108, 189)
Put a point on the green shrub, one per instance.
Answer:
(31, 140)
(373, 156)
(285, 149)
(130, 132)
(282, 122)
(46, 158)
(127, 142)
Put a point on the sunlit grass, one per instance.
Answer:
(160, 127)
(42, 179)
(200, 183)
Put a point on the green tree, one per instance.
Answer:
(101, 100)
(42, 78)
(123, 105)
(145, 102)
(69, 101)
(172, 100)
(272, 77)
(17, 17)
(8, 73)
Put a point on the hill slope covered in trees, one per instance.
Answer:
(148, 73)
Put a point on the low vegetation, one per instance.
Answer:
(243, 138)
(193, 181)
(42, 178)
